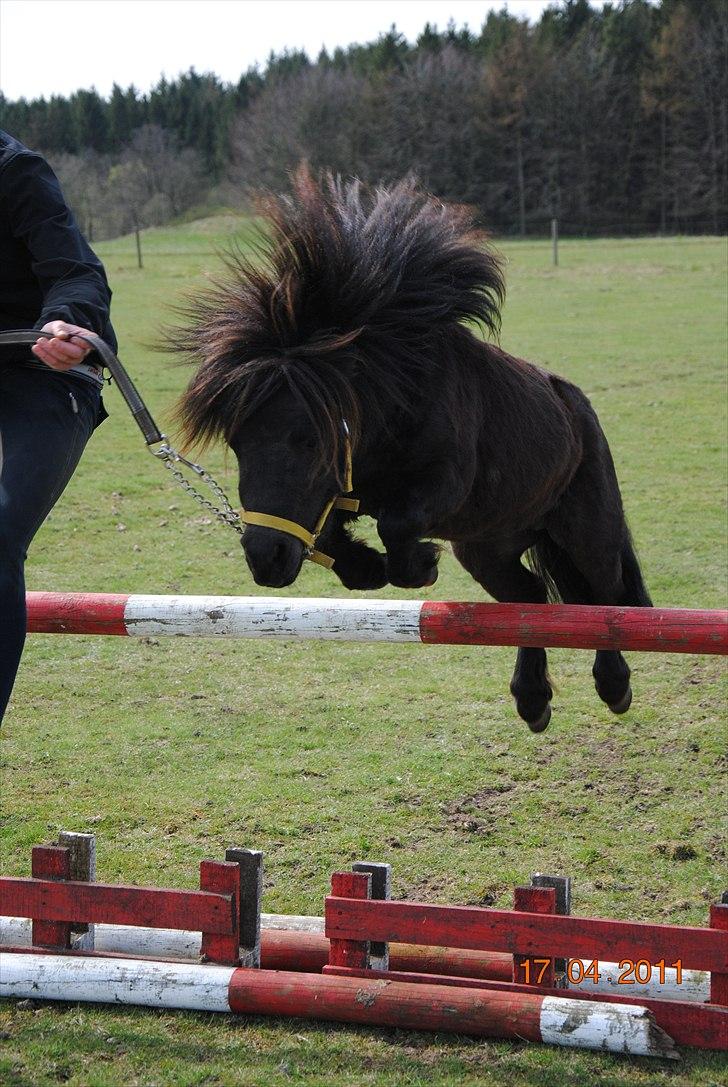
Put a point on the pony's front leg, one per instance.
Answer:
(357, 565)
(413, 511)
(411, 562)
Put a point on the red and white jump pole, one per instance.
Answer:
(615, 1028)
(660, 630)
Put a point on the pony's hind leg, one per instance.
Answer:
(586, 548)
(600, 578)
(611, 671)
(506, 579)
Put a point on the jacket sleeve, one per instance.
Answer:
(70, 275)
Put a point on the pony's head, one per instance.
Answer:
(316, 345)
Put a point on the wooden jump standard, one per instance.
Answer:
(662, 630)
(529, 1005)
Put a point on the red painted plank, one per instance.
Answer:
(690, 1023)
(117, 904)
(224, 878)
(386, 1003)
(507, 930)
(576, 626)
(463, 962)
(284, 949)
(719, 981)
(536, 971)
(76, 613)
(351, 952)
(51, 862)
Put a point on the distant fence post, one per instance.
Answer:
(555, 240)
(138, 247)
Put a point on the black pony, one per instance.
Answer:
(355, 330)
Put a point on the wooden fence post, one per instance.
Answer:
(51, 862)
(250, 862)
(350, 952)
(534, 970)
(82, 855)
(562, 887)
(224, 878)
(381, 889)
(719, 982)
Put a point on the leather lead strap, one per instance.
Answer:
(127, 388)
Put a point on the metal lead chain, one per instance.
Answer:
(226, 515)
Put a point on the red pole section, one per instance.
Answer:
(76, 613)
(575, 626)
(386, 1003)
(283, 949)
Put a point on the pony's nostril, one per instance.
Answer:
(272, 560)
(278, 553)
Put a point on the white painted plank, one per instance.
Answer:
(270, 617)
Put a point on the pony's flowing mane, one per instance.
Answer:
(346, 301)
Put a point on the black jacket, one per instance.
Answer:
(48, 271)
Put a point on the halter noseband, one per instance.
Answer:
(307, 538)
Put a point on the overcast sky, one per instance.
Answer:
(58, 46)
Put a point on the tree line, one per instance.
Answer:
(611, 119)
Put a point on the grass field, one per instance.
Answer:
(321, 754)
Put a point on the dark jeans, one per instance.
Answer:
(46, 418)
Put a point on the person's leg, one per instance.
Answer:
(45, 421)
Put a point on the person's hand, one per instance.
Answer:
(63, 351)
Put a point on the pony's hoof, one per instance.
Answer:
(362, 568)
(624, 703)
(413, 581)
(542, 723)
(416, 568)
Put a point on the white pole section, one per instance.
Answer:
(116, 981)
(267, 617)
(615, 1028)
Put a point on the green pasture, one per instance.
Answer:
(319, 754)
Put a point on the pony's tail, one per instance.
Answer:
(564, 582)
(635, 590)
(558, 573)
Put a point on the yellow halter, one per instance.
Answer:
(308, 539)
